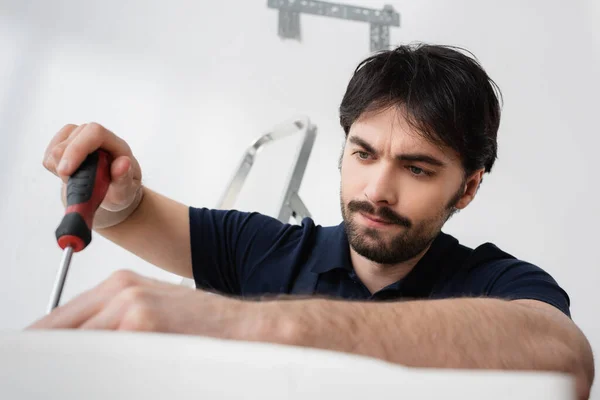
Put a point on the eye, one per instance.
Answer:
(417, 171)
(363, 155)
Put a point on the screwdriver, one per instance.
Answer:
(86, 189)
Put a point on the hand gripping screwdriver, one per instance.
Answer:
(86, 189)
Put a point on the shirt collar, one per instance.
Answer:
(333, 249)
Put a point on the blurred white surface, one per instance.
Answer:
(107, 365)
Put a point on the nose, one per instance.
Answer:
(381, 188)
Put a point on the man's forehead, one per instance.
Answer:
(398, 136)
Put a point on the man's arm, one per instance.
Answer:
(453, 333)
(158, 231)
(149, 225)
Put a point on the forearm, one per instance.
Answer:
(456, 333)
(157, 230)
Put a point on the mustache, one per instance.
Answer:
(383, 213)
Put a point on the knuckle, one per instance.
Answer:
(123, 279)
(69, 127)
(94, 127)
(46, 164)
(140, 317)
(57, 152)
(134, 296)
(74, 150)
(95, 132)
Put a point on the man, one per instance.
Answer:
(421, 124)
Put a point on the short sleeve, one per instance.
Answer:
(514, 279)
(225, 243)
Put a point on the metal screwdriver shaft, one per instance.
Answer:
(86, 189)
(59, 283)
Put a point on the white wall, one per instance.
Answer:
(190, 83)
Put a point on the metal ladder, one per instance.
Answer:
(291, 203)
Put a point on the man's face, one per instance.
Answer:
(397, 189)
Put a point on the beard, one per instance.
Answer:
(413, 238)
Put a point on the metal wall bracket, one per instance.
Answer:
(379, 20)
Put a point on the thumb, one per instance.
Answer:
(122, 189)
(120, 176)
(119, 169)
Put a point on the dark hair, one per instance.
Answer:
(447, 96)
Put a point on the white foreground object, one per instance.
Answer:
(107, 365)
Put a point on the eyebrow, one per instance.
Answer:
(412, 157)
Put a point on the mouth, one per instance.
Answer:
(375, 221)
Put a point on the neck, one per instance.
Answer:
(377, 276)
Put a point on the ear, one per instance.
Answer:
(471, 186)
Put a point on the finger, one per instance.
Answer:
(133, 309)
(85, 305)
(122, 190)
(55, 153)
(63, 194)
(79, 310)
(60, 136)
(119, 168)
(138, 309)
(91, 138)
(75, 312)
(108, 318)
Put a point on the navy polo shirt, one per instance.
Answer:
(254, 255)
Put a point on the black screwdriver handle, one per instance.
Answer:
(86, 189)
